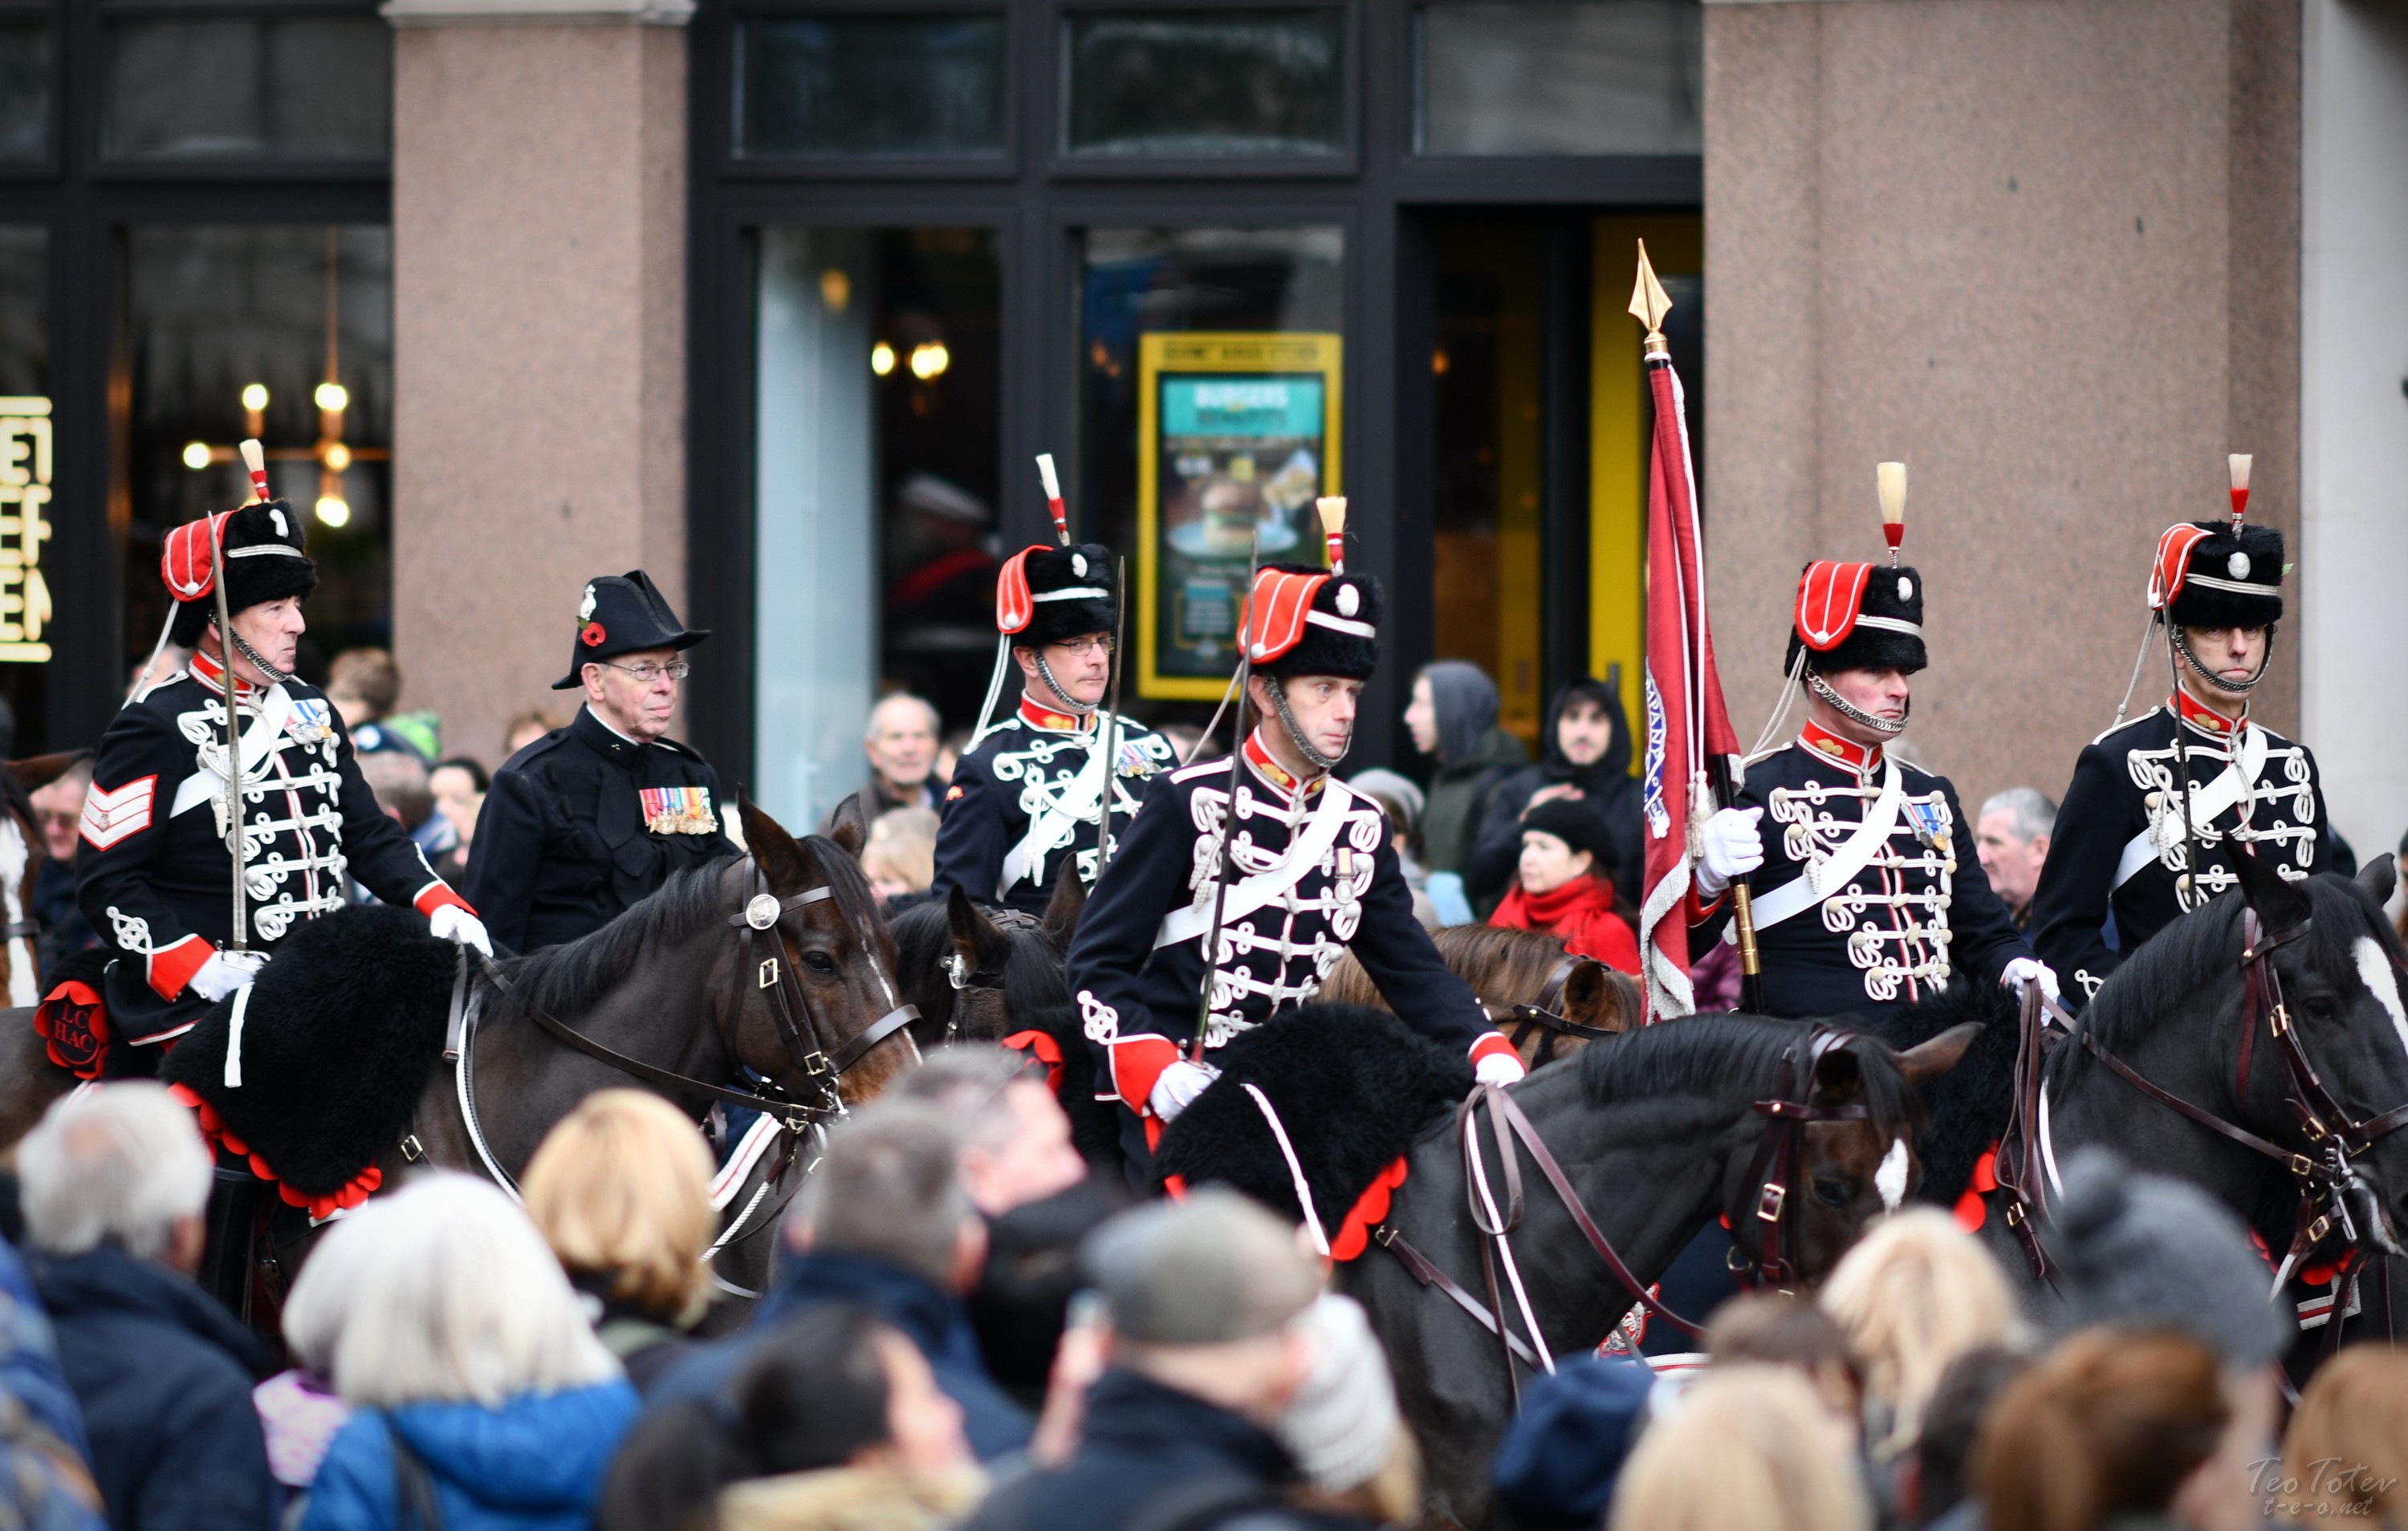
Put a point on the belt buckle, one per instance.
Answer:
(815, 1064)
(1769, 1200)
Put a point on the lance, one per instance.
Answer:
(1229, 806)
(256, 461)
(1103, 845)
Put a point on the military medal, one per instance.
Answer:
(678, 810)
(312, 721)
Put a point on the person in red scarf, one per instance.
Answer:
(1566, 887)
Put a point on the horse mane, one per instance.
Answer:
(1504, 960)
(1713, 1054)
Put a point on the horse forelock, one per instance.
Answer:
(1724, 1055)
(1498, 960)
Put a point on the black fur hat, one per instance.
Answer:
(266, 559)
(2231, 577)
(1070, 590)
(1888, 625)
(1338, 634)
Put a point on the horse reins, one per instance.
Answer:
(1547, 1015)
(1780, 1156)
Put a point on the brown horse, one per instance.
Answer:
(1549, 1001)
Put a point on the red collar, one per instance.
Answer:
(1863, 758)
(211, 675)
(1273, 772)
(2204, 718)
(1045, 717)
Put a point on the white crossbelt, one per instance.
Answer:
(1058, 825)
(275, 711)
(1855, 853)
(1248, 894)
(2207, 803)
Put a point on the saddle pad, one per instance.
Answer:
(341, 1034)
(1354, 1087)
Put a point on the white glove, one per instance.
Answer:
(451, 923)
(1728, 848)
(2020, 974)
(226, 973)
(1500, 1068)
(1176, 1088)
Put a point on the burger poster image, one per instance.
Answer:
(1238, 435)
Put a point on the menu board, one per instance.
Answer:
(1238, 435)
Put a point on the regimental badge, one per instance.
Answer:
(678, 810)
(312, 721)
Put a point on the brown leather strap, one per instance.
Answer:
(1419, 1267)
(2301, 1163)
(794, 1114)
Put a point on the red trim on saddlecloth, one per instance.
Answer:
(1369, 1210)
(1046, 1051)
(1971, 1211)
(354, 1191)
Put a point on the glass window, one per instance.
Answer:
(24, 89)
(248, 90)
(879, 398)
(276, 332)
(1206, 83)
(1610, 77)
(913, 85)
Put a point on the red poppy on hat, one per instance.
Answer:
(592, 636)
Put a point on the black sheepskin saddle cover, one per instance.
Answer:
(342, 1034)
(1968, 1104)
(1354, 1088)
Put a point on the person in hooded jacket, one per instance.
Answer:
(481, 1398)
(1587, 757)
(1565, 886)
(1453, 717)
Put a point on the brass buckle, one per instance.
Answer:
(815, 1064)
(2317, 1229)
(2302, 1167)
(1769, 1200)
(412, 1150)
(768, 974)
(2014, 1213)
(2279, 1019)
(1384, 1236)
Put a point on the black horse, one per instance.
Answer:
(2179, 1013)
(1656, 1131)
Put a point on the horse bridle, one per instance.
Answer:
(1547, 1015)
(1779, 1157)
(961, 976)
(2324, 1174)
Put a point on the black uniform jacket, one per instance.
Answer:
(1028, 795)
(583, 824)
(1311, 879)
(2119, 842)
(1916, 909)
(155, 875)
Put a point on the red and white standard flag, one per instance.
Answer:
(1688, 724)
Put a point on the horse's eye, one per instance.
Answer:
(820, 963)
(1830, 1191)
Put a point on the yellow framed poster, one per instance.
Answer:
(1237, 433)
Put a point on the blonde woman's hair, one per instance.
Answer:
(622, 1188)
(1749, 1448)
(455, 1297)
(902, 845)
(2346, 1456)
(1917, 1293)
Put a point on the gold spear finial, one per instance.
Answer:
(1650, 302)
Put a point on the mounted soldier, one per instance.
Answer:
(590, 819)
(1029, 791)
(2186, 783)
(187, 914)
(1869, 898)
(1304, 871)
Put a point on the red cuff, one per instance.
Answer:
(1491, 1046)
(1696, 913)
(172, 967)
(1137, 1063)
(437, 894)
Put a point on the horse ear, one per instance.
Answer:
(1069, 902)
(780, 860)
(848, 824)
(975, 936)
(2379, 876)
(1586, 1001)
(39, 771)
(1837, 1077)
(2279, 905)
(1929, 1059)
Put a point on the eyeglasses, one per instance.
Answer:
(646, 674)
(1082, 648)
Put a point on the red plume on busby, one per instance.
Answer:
(266, 559)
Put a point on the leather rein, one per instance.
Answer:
(1547, 1015)
(2323, 1174)
(1778, 1162)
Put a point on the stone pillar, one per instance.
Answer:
(2048, 255)
(540, 217)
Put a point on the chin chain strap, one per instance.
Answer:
(1278, 688)
(1851, 712)
(275, 676)
(2182, 646)
(1045, 673)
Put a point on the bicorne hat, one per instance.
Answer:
(623, 614)
(1052, 595)
(1307, 620)
(266, 559)
(2212, 574)
(1857, 617)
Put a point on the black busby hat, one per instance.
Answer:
(1308, 620)
(266, 559)
(2219, 574)
(623, 614)
(1052, 595)
(1857, 617)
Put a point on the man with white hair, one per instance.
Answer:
(900, 740)
(2011, 840)
(114, 1182)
